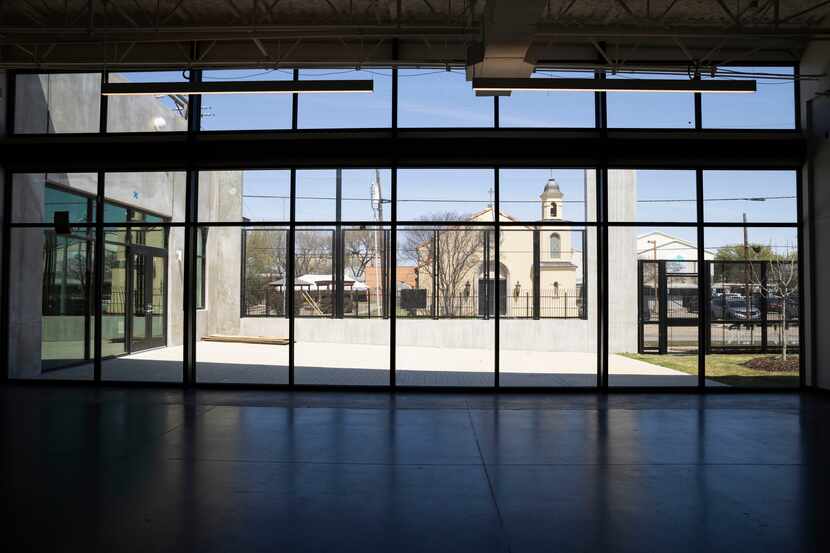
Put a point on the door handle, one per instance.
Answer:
(148, 308)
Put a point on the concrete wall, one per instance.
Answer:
(815, 112)
(520, 334)
(70, 103)
(622, 259)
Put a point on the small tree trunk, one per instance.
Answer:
(784, 328)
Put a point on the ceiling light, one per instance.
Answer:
(613, 85)
(236, 87)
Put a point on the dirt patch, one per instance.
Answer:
(773, 364)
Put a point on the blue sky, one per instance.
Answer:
(432, 97)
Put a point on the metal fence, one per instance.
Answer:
(751, 306)
(453, 275)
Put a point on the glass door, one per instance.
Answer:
(148, 290)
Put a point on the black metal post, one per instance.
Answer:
(98, 279)
(435, 268)
(537, 274)
(340, 245)
(703, 331)
(392, 294)
(289, 273)
(640, 314)
(190, 337)
(497, 266)
(487, 299)
(663, 296)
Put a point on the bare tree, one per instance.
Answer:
(265, 252)
(781, 283)
(313, 252)
(360, 251)
(460, 249)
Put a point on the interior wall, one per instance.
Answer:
(815, 118)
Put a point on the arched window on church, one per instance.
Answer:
(555, 246)
(553, 210)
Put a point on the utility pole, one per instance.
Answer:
(377, 211)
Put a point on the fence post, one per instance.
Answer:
(663, 317)
(537, 275)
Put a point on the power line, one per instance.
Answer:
(436, 200)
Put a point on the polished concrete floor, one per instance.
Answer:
(169, 470)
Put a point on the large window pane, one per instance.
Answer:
(445, 195)
(549, 109)
(771, 107)
(242, 330)
(650, 110)
(346, 110)
(51, 304)
(342, 327)
(434, 97)
(547, 194)
(229, 112)
(54, 103)
(754, 196)
(548, 324)
(652, 196)
(142, 319)
(236, 196)
(162, 113)
(36, 197)
(365, 194)
(652, 306)
(753, 334)
(446, 291)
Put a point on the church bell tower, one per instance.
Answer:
(551, 201)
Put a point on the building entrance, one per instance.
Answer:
(147, 301)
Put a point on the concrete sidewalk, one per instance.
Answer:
(357, 364)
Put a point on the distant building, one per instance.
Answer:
(661, 246)
(560, 262)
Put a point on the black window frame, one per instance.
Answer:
(410, 148)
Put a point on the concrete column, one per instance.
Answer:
(815, 120)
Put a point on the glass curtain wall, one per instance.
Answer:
(51, 286)
(653, 293)
(341, 292)
(413, 276)
(547, 275)
(752, 278)
(242, 328)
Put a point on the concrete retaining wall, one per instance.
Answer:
(520, 334)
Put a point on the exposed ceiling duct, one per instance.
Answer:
(508, 29)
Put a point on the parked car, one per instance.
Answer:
(775, 304)
(734, 309)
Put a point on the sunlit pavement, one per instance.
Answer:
(359, 364)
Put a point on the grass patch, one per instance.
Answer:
(724, 368)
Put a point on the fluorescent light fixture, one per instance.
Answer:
(236, 87)
(613, 85)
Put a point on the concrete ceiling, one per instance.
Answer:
(268, 33)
